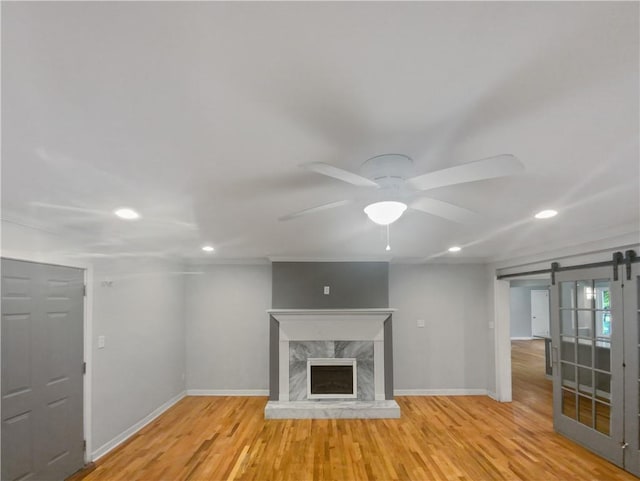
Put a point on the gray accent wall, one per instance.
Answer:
(353, 285)
(274, 368)
(388, 358)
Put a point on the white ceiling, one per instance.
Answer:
(198, 115)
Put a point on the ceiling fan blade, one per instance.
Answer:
(313, 210)
(444, 210)
(340, 174)
(489, 168)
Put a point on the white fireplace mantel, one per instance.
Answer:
(331, 325)
(324, 317)
(303, 315)
(377, 310)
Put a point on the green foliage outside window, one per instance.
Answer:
(606, 303)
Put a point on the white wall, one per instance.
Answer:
(142, 366)
(520, 311)
(228, 329)
(451, 352)
(142, 317)
(489, 279)
(520, 306)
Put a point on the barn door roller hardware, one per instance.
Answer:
(617, 258)
(629, 257)
(554, 268)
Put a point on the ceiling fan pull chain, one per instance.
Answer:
(388, 248)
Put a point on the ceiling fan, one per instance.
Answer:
(392, 176)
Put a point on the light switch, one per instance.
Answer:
(420, 322)
(101, 341)
(327, 289)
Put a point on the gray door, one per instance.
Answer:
(42, 371)
(632, 369)
(588, 380)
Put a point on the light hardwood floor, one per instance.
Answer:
(438, 438)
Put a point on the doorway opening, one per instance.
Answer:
(529, 311)
(529, 328)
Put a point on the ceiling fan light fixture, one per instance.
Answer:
(455, 249)
(386, 212)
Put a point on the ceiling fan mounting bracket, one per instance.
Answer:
(387, 169)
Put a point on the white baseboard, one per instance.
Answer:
(493, 396)
(227, 392)
(121, 438)
(522, 338)
(440, 392)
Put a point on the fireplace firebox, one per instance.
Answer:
(332, 378)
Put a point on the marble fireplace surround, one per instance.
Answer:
(293, 327)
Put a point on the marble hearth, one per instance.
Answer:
(363, 335)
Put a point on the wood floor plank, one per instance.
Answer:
(437, 438)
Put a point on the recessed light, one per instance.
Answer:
(455, 249)
(546, 214)
(208, 248)
(126, 213)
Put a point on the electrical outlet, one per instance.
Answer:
(327, 290)
(420, 323)
(101, 342)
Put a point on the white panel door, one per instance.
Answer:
(540, 313)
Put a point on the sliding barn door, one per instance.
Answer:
(42, 370)
(632, 370)
(588, 352)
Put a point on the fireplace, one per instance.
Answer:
(332, 378)
(331, 364)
